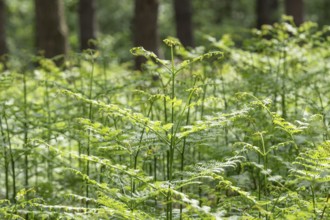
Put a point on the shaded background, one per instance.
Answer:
(114, 20)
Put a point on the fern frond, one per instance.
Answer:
(314, 164)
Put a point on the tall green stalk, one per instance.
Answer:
(283, 86)
(26, 130)
(90, 117)
(135, 159)
(12, 161)
(182, 153)
(325, 206)
(199, 156)
(49, 130)
(172, 143)
(265, 161)
(6, 159)
(224, 97)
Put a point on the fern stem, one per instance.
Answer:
(324, 120)
(313, 199)
(171, 151)
(325, 206)
(47, 103)
(12, 161)
(223, 90)
(283, 89)
(265, 160)
(259, 183)
(200, 191)
(184, 143)
(6, 162)
(139, 147)
(172, 114)
(90, 117)
(25, 126)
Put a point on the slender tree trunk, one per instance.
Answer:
(325, 12)
(146, 28)
(183, 21)
(87, 23)
(295, 8)
(51, 29)
(266, 11)
(3, 44)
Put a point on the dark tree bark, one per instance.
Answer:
(146, 28)
(3, 44)
(325, 12)
(183, 21)
(51, 29)
(266, 11)
(295, 8)
(87, 23)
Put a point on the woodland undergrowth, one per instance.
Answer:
(215, 132)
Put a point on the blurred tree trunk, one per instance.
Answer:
(183, 21)
(326, 14)
(266, 11)
(87, 23)
(146, 28)
(51, 29)
(3, 44)
(295, 8)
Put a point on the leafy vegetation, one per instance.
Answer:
(218, 132)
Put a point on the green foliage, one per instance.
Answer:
(233, 133)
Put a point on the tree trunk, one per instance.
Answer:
(266, 11)
(87, 23)
(183, 21)
(325, 13)
(3, 44)
(295, 8)
(51, 29)
(145, 28)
